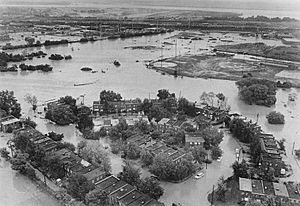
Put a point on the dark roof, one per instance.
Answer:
(293, 190)
(131, 197)
(268, 188)
(143, 200)
(122, 191)
(257, 186)
(176, 155)
(94, 173)
(105, 183)
(114, 187)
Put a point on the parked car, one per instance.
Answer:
(199, 175)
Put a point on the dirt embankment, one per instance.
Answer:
(261, 49)
(219, 66)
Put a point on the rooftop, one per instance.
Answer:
(194, 137)
(257, 187)
(10, 121)
(123, 191)
(293, 190)
(131, 197)
(94, 174)
(163, 121)
(105, 183)
(280, 189)
(245, 184)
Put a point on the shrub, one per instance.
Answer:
(275, 118)
(4, 153)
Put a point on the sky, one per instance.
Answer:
(293, 5)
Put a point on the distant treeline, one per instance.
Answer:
(253, 18)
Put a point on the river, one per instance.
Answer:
(132, 80)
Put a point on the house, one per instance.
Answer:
(9, 123)
(98, 108)
(95, 175)
(194, 139)
(164, 124)
(141, 140)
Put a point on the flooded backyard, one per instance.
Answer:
(132, 79)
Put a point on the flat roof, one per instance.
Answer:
(280, 189)
(293, 190)
(114, 187)
(245, 184)
(257, 186)
(143, 200)
(105, 183)
(123, 191)
(131, 197)
(268, 188)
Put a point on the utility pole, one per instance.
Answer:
(293, 148)
(212, 196)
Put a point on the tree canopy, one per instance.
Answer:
(275, 118)
(9, 103)
(79, 186)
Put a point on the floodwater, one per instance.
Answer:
(132, 79)
(18, 190)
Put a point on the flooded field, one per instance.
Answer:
(132, 79)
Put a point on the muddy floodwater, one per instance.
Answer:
(132, 79)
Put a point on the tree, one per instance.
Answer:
(156, 135)
(132, 151)
(240, 169)
(142, 126)
(102, 132)
(55, 168)
(29, 122)
(32, 100)
(4, 153)
(145, 106)
(258, 91)
(55, 136)
(166, 169)
(216, 152)
(96, 155)
(164, 94)
(151, 187)
(130, 174)
(186, 107)
(199, 154)
(19, 162)
(85, 121)
(97, 198)
(79, 186)
(109, 96)
(61, 115)
(212, 137)
(9, 103)
(202, 122)
(66, 145)
(281, 144)
(80, 146)
(146, 157)
(221, 189)
(275, 118)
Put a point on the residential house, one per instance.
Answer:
(194, 139)
(9, 123)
